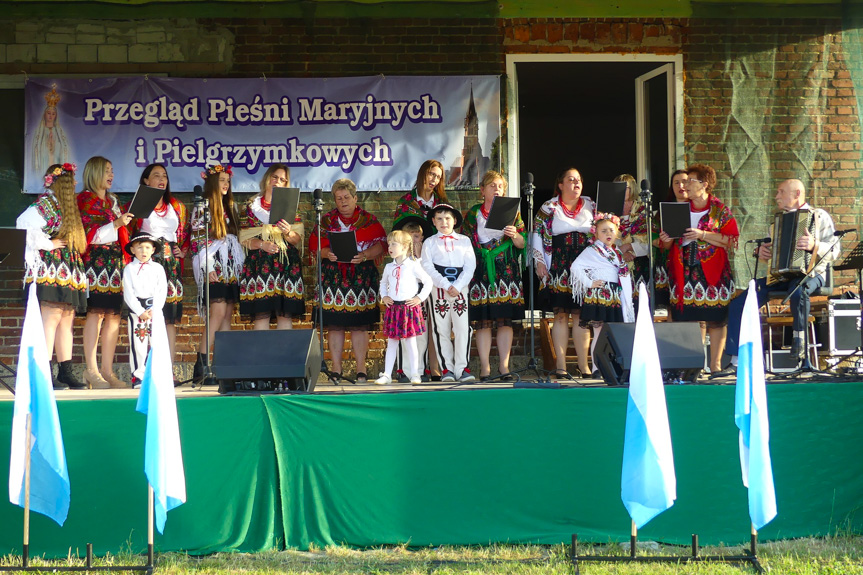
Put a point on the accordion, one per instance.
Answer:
(787, 260)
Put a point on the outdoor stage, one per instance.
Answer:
(460, 466)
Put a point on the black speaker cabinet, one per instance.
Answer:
(681, 354)
(271, 361)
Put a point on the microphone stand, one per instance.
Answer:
(319, 208)
(543, 375)
(758, 244)
(806, 366)
(647, 202)
(207, 377)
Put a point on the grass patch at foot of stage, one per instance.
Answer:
(841, 554)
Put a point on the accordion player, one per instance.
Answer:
(801, 250)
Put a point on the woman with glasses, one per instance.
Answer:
(427, 193)
(271, 283)
(562, 231)
(699, 268)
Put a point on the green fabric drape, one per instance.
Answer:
(465, 467)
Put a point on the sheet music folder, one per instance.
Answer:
(502, 213)
(144, 201)
(284, 205)
(344, 245)
(610, 197)
(674, 218)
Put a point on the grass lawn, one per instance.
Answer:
(838, 555)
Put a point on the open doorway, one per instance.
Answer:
(605, 115)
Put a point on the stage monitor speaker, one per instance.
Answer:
(681, 353)
(271, 360)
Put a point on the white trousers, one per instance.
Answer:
(452, 332)
(139, 344)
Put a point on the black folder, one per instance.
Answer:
(344, 245)
(145, 201)
(502, 213)
(610, 197)
(674, 218)
(284, 205)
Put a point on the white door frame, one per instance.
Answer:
(641, 117)
(676, 60)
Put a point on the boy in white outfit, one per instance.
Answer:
(449, 259)
(145, 289)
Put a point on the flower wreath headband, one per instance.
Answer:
(599, 216)
(217, 169)
(66, 168)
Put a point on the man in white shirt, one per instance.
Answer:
(145, 289)
(790, 196)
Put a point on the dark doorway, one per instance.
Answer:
(580, 114)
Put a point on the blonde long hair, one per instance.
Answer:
(219, 206)
(71, 228)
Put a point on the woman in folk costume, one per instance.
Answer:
(271, 283)
(427, 193)
(496, 293)
(55, 242)
(601, 280)
(350, 289)
(217, 256)
(699, 266)
(676, 193)
(562, 231)
(169, 223)
(633, 237)
(107, 235)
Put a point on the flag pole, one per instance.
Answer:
(753, 538)
(633, 538)
(25, 551)
(150, 513)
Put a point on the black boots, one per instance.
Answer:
(66, 379)
(198, 370)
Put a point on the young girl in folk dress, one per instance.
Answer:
(55, 242)
(601, 281)
(401, 293)
(107, 235)
(272, 280)
(221, 262)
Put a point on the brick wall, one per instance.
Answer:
(592, 35)
(768, 100)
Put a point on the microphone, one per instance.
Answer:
(766, 240)
(645, 191)
(200, 200)
(318, 199)
(840, 233)
(528, 186)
